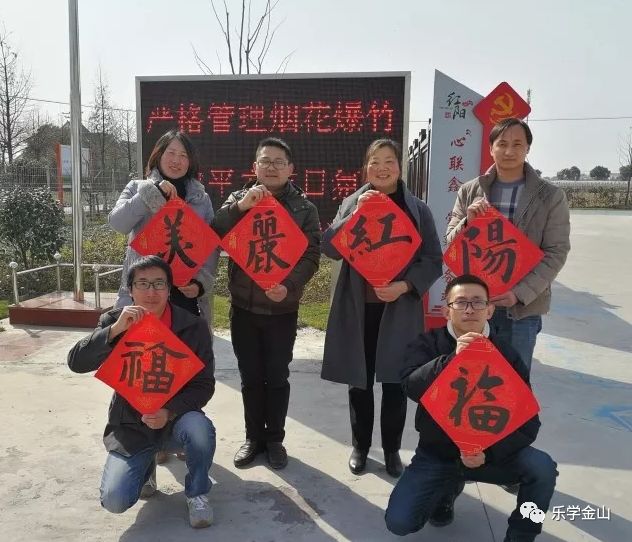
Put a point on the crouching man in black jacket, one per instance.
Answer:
(132, 440)
(428, 487)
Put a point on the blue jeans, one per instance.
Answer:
(428, 480)
(521, 334)
(124, 477)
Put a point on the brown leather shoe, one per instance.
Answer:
(277, 455)
(247, 453)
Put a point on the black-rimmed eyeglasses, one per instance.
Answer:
(477, 305)
(159, 284)
(265, 163)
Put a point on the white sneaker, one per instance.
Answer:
(200, 511)
(149, 487)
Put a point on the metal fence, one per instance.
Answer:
(418, 163)
(99, 190)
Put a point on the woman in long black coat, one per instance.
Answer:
(369, 328)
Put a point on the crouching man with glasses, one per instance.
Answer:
(132, 439)
(429, 486)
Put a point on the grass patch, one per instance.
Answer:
(313, 310)
(309, 314)
(316, 290)
(313, 315)
(4, 311)
(220, 312)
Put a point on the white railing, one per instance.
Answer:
(95, 267)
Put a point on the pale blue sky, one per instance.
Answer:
(573, 54)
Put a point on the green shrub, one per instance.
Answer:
(31, 225)
(100, 244)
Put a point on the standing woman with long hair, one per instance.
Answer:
(171, 172)
(369, 328)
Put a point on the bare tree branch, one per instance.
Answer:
(127, 131)
(267, 42)
(230, 49)
(253, 36)
(201, 64)
(264, 48)
(15, 87)
(625, 150)
(219, 61)
(104, 125)
(284, 62)
(226, 32)
(247, 46)
(625, 160)
(241, 32)
(266, 15)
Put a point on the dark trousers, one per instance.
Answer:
(361, 404)
(429, 479)
(263, 346)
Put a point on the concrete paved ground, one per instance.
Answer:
(51, 454)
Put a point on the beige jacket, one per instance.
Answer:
(543, 216)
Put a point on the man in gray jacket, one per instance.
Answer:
(263, 323)
(539, 209)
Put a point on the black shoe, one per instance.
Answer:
(393, 464)
(443, 514)
(277, 455)
(357, 461)
(519, 537)
(149, 487)
(247, 453)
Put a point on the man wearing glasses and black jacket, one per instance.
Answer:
(428, 487)
(263, 323)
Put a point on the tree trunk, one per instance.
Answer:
(7, 103)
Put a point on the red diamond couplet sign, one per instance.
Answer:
(180, 237)
(493, 249)
(266, 243)
(479, 399)
(501, 103)
(149, 365)
(379, 240)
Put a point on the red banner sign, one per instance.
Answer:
(378, 241)
(266, 243)
(180, 237)
(479, 399)
(149, 365)
(493, 249)
(501, 103)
